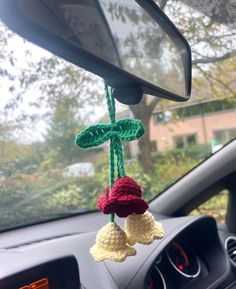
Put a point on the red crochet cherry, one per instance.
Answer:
(124, 199)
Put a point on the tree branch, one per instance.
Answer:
(214, 59)
(226, 86)
(210, 38)
(208, 78)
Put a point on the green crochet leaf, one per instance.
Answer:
(124, 129)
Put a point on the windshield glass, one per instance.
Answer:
(46, 101)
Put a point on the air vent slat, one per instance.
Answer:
(230, 245)
(233, 260)
(231, 250)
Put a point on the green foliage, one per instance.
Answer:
(215, 207)
(78, 193)
(165, 172)
(60, 137)
(34, 190)
(69, 198)
(195, 152)
(37, 197)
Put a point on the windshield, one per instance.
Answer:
(46, 101)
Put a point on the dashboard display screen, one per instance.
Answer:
(42, 284)
(57, 274)
(47, 279)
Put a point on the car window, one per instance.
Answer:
(46, 101)
(215, 207)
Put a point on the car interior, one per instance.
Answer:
(197, 251)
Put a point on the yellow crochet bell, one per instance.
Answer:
(143, 229)
(111, 243)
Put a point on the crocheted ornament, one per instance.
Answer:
(143, 229)
(123, 195)
(124, 199)
(111, 243)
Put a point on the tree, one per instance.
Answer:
(67, 96)
(6, 55)
(220, 78)
(144, 111)
(61, 134)
(54, 92)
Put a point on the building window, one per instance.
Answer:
(224, 136)
(191, 140)
(194, 110)
(182, 141)
(205, 108)
(153, 146)
(163, 116)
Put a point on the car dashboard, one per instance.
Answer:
(56, 255)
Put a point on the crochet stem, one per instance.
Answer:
(110, 104)
(119, 158)
(111, 110)
(111, 165)
(112, 173)
(115, 144)
(112, 218)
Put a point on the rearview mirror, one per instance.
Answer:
(131, 44)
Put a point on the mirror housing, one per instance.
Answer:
(39, 21)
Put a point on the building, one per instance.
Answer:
(185, 124)
(199, 122)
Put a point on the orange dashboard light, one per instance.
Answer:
(42, 284)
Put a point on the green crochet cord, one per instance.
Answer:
(116, 131)
(112, 115)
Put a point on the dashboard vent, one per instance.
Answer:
(230, 245)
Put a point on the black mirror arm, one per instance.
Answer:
(129, 95)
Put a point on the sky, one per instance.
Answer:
(32, 131)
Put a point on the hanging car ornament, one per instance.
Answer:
(123, 196)
(112, 243)
(146, 224)
(124, 199)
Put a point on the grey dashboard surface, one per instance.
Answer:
(27, 247)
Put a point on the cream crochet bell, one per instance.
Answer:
(142, 229)
(111, 243)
